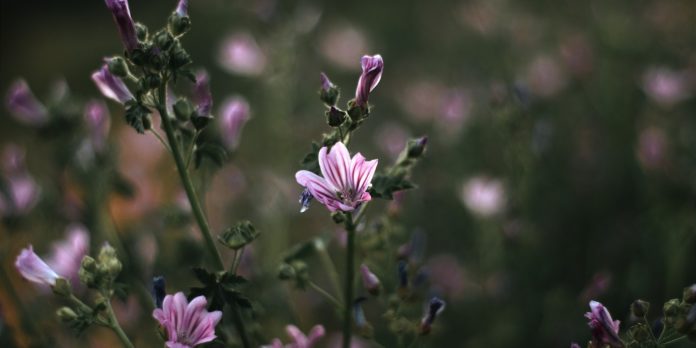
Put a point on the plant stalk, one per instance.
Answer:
(350, 275)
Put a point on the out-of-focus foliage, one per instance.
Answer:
(561, 164)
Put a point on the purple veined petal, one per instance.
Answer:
(362, 172)
(126, 28)
(335, 165)
(182, 8)
(201, 94)
(111, 86)
(24, 106)
(187, 324)
(318, 187)
(372, 68)
(326, 84)
(34, 269)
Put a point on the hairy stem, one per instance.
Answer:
(113, 323)
(350, 275)
(326, 294)
(195, 202)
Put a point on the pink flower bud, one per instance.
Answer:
(372, 67)
(34, 269)
(370, 280)
(111, 86)
(126, 28)
(24, 106)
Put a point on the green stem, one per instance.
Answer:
(189, 153)
(674, 340)
(194, 201)
(113, 323)
(326, 294)
(159, 137)
(350, 275)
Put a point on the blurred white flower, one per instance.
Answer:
(240, 54)
(545, 76)
(483, 196)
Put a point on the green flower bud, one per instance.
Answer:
(108, 261)
(183, 110)
(671, 311)
(416, 147)
(62, 287)
(285, 272)
(66, 314)
(335, 116)
(179, 24)
(141, 31)
(117, 66)
(87, 271)
(179, 58)
(356, 112)
(164, 40)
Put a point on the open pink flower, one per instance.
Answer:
(187, 324)
(345, 181)
(605, 330)
(34, 269)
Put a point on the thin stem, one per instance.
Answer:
(113, 323)
(350, 274)
(237, 260)
(326, 294)
(189, 153)
(159, 137)
(330, 268)
(195, 202)
(674, 340)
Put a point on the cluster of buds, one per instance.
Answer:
(156, 55)
(101, 272)
(295, 271)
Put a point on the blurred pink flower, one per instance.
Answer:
(665, 86)
(300, 340)
(483, 196)
(343, 45)
(391, 138)
(68, 253)
(235, 113)
(605, 330)
(22, 191)
(370, 281)
(545, 76)
(34, 269)
(345, 181)
(24, 106)
(652, 147)
(372, 68)
(187, 324)
(447, 275)
(240, 54)
(201, 94)
(577, 54)
(98, 123)
(598, 286)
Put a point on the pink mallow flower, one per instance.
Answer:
(605, 330)
(187, 324)
(68, 253)
(344, 184)
(24, 106)
(235, 112)
(300, 339)
(372, 68)
(34, 269)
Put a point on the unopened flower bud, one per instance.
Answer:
(158, 290)
(640, 308)
(117, 66)
(183, 110)
(671, 311)
(286, 272)
(179, 58)
(87, 271)
(66, 314)
(328, 93)
(179, 21)
(111, 86)
(164, 40)
(335, 116)
(126, 28)
(690, 294)
(416, 147)
(372, 68)
(370, 280)
(109, 261)
(435, 307)
(141, 31)
(62, 287)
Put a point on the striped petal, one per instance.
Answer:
(362, 172)
(319, 188)
(335, 165)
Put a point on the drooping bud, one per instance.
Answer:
(179, 21)
(335, 116)
(434, 308)
(158, 290)
(305, 200)
(126, 28)
(372, 68)
(111, 86)
(24, 106)
(34, 269)
(370, 280)
(328, 93)
(235, 113)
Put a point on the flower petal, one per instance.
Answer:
(334, 165)
(362, 172)
(318, 187)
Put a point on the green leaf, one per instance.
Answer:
(238, 236)
(384, 186)
(311, 159)
(138, 116)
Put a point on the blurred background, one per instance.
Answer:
(561, 165)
